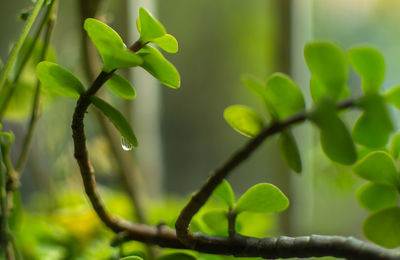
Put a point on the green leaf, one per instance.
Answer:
(395, 146)
(336, 140)
(393, 96)
(258, 89)
(225, 193)
(327, 62)
(217, 221)
(263, 198)
(374, 126)
(378, 167)
(283, 95)
(150, 28)
(289, 151)
(116, 118)
(59, 80)
(319, 92)
(374, 197)
(110, 46)
(167, 42)
(177, 256)
(370, 64)
(244, 120)
(131, 258)
(155, 63)
(120, 86)
(383, 227)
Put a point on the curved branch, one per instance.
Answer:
(201, 197)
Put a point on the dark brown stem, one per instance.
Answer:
(231, 222)
(201, 197)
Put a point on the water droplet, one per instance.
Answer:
(126, 145)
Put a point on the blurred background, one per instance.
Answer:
(182, 134)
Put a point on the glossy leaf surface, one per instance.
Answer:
(378, 167)
(336, 140)
(327, 62)
(289, 151)
(370, 64)
(120, 86)
(132, 258)
(374, 197)
(59, 80)
(117, 119)
(110, 46)
(374, 126)
(319, 92)
(217, 221)
(284, 95)
(225, 193)
(383, 227)
(244, 120)
(150, 28)
(155, 63)
(262, 198)
(167, 42)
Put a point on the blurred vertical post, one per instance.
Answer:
(302, 186)
(294, 30)
(146, 110)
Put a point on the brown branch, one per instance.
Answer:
(201, 197)
(237, 245)
(271, 248)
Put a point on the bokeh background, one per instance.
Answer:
(182, 133)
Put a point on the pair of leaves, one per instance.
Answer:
(261, 198)
(115, 54)
(62, 82)
(374, 126)
(328, 66)
(336, 140)
(282, 99)
(153, 31)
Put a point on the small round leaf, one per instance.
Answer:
(217, 221)
(167, 42)
(120, 86)
(378, 167)
(283, 95)
(225, 193)
(116, 118)
(374, 197)
(155, 63)
(59, 80)
(383, 227)
(150, 28)
(336, 140)
(374, 126)
(262, 198)
(110, 46)
(327, 62)
(244, 120)
(289, 151)
(370, 64)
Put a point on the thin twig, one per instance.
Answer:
(13, 56)
(50, 22)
